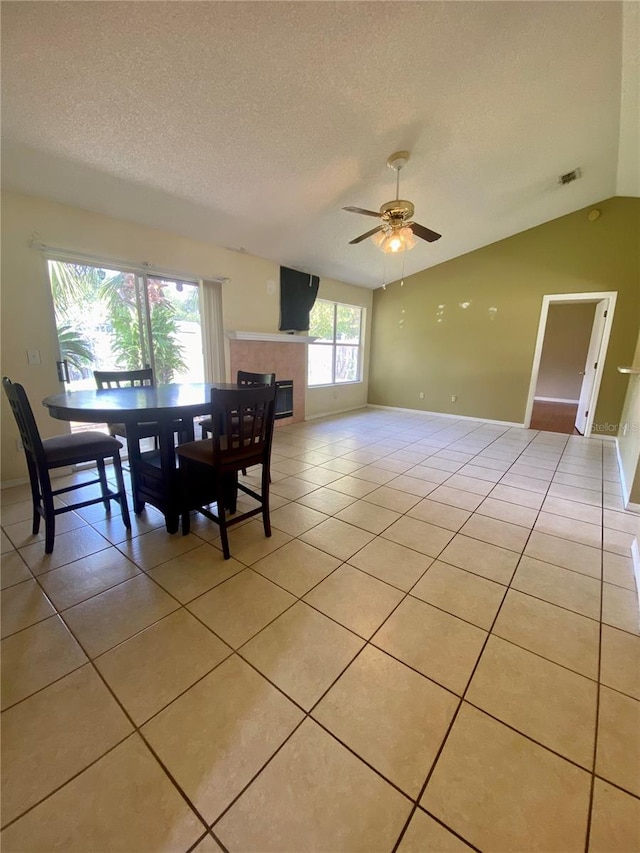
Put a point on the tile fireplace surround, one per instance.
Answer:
(282, 354)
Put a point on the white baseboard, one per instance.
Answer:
(447, 415)
(626, 492)
(631, 507)
(555, 400)
(635, 558)
(335, 412)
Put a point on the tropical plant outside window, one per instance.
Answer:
(335, 357)
(113, 319)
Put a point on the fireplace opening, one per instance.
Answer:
(284, 399)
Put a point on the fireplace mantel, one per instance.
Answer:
(272, 337)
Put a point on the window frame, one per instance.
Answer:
(334, 344)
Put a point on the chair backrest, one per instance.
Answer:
(23, 413)
(123, 378)
(245, 378)
(242, 425)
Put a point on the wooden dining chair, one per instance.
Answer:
(243, 378)
(43, 455)
(107, 379)
(242, 432)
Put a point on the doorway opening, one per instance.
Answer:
(571, 348)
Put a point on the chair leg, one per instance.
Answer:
(222, 519)
(266, 517)
(49, 522)
(35, 494)
(124, 505)
(104, 486)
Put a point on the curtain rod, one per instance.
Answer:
(144, 267)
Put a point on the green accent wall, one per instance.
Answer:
(424, 341)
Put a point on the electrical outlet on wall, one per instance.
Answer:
(454, 398)
(421, 395)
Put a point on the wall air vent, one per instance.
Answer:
(569, 177)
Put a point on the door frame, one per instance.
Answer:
(610, 296)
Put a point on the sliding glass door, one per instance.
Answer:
(109, 319)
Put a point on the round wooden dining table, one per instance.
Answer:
(153, 473)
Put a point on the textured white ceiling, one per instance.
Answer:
(251, 124)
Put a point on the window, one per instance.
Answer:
(336, 356)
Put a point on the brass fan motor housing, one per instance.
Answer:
(396, 209)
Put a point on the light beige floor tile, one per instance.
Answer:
(469, 596)
(389, 715)
(6, 545)
(374, 474)
(615, 821)
(241, 606)
(10, 513)
(352, 486)
(425, 472)
(496, 532)
(112, 528)
(443, 464)
(570, 528)
(157, 546)
(149, 670)
(191, 574)
(456, 497)
(292, 488)
(559, 586)
(440, 514)
(510, 512)
(392, 563)
(620, 661)
(218, 734)
(101, 810)
(319, 476)
(295, 518)
(528, 484)
(343, 466)
(514, 495)
(520, 468)
(13, 570)
(67, 548)
(368, 516)
(337, 538)
(16, 494)
(117, 614)
(19, 533)
(354, 599)
(296, 566)
(618, 570)
(327, 501)
(36, 657)
(42, 751)
(419, 535)
(561, 552)
(628, 522)
(547, 702)
(302, 652)
(619, 740)
(436, 644)
(392, 499)
(620, 608)
(290, 466)
(480, 472)
(89, 576)
(481, 558)
(248, 543)
(412, 485)
(618, 542)
(553, 632)
(573, 509)
(315, 796)
(470, 484)
(207, 845)
(425, 833)
(394, 466)
(577, 481)
(500, 791)
(22, 605)
(571, 493)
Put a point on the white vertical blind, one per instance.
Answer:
(212, 330)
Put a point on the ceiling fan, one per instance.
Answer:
(397, 230)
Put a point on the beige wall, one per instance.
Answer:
(249, 302)
(564, 351)
(485, 356)
(629, 435)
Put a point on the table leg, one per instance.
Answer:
(133, 451)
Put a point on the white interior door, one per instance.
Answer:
(591, 367)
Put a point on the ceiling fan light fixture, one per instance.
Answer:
(394, 241)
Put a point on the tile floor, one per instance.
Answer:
(438, 649)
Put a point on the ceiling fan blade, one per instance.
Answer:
(425, 233)
(361, 210)
(364, 236)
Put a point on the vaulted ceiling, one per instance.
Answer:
(251, 124)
